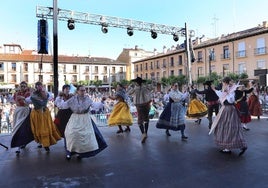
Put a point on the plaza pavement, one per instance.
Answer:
(162, 162)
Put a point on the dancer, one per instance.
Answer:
(63, 115)
(196, 109)
(141, 98)
(254, 105)
(227, 124)
(21, 132)
(120, 114)
(81, 133)
(212, 100)
(43, 128)
(242, 106)
(173, 116)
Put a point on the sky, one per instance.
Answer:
(210, 18)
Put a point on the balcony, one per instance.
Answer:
(241, 54)
(260, 51)
(226, 56)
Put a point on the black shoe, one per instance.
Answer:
(39, 146)
(18, 152)
(167, 133)
(119, 131)
(127, 129)
(246, 129)
(242, 151)
(47, 149)
(199, 121)
(226, 152)
(68, 157)
(184, 137)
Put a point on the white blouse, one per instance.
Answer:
(76, 103)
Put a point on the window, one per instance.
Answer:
(13, 66)
(74, 78)
(86, 77)
(121, 70)
(2, 78)
(199, 56)
(180, 60)
(225, 69)
(51, 78)
(261, 64)
(105, 69)
(96, 78)
(260, 47)
(164, 63)
(200, 72)
(1, 66)
(105, 79)
(241, 49)
(157, 64)
(96, 69)
(25, 66)
(141, 67)
(172, 73)
(146, 66)
(152, 65)
(180, 72)
(242, 68)
(26, 78)
(86, 68)
(113, 70)
(136, 68)
(172, 61)
(13, 78)
(226, 53)
(74, 68)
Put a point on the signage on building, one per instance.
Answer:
(258, 72)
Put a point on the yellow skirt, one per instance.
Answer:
(196, 109)
(120, 115)
(43, 128)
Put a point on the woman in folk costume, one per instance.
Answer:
(81, 133)
(120, 114)
(254, 105)
(21, 133)
(43, 128)
(63, 115)
(242, 106)
(173, 116)
(142, 99)
(227, 127)
(196, 108)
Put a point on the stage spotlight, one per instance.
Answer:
(153, 34)
(70, 24)
(130, 31)
(104, 28)
(175, 37)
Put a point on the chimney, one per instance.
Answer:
(164, 49)
(264, 24)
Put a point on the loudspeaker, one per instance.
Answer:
(42, 33)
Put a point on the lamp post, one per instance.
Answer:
(211, 57)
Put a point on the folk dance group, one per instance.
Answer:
(73, 121)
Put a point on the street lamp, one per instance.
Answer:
(211, 57)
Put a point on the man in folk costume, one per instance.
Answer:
(141, 98)
(212, 100)
(242, 106)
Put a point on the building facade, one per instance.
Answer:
(18, 65)
(240, 52)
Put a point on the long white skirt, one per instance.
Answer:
(79, 134)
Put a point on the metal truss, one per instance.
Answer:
(110, 21)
